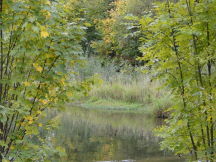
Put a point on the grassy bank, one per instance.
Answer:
(127, 89)
(140, 95)
(110, 104)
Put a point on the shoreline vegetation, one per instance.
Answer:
(125, 90)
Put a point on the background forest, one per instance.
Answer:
(140, 56)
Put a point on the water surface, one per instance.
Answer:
(94, 135)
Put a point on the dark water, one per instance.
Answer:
(109, 136)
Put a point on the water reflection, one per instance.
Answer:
(109, 136)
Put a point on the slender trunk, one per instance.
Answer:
(1, 50)
(209, 65)
(1, 72)
(182, 86)
(209, 125)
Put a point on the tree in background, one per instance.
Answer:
(120, 31)
(91, 13)
(111, 32)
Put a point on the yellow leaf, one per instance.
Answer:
(50, 55)
(44, 34)
(30, 122)
(48, 15)
(87, 24)
(12, 147)
(39, 112)
(47, 2)
(44, 101)
(26, 84)
(52, 92)
(22, 123)
(40, 124)
(29, 118)
(38, 67)
(62, 81)
(4, 160)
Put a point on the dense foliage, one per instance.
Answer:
(90, 13)
(179, 45)
(39, 42)
(111, 32)
(120, 37)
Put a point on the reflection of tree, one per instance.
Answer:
(91, 135)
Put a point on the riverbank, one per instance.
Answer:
(138, 96)
(115, 105)
(128, 89)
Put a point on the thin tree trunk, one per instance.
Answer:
(209, 65)
(182, 87)
(1, 72)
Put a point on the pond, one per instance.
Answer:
(97, 135)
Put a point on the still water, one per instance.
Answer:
(93, 135)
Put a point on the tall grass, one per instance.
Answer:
(140, 90)
(127, 85)
(119, 89)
